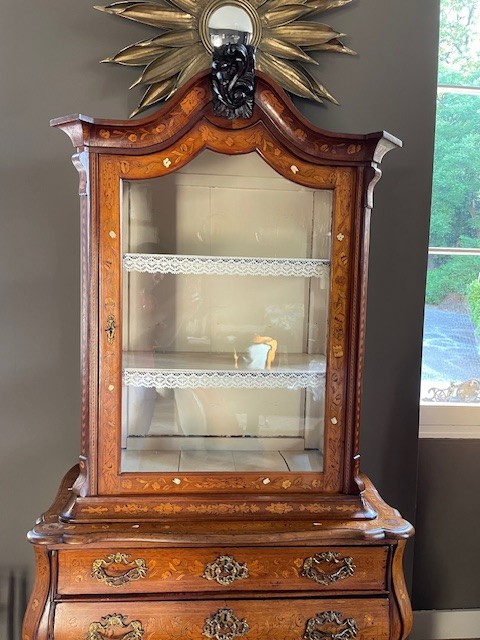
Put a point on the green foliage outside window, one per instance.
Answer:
(455, 218)
(449, 277)
(473, 297)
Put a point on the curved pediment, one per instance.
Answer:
(273, 109)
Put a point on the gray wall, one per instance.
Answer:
(447, 564)
(48, 56)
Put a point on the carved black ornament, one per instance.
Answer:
(233, 78)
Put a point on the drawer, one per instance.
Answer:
(362, 618)
(148, 570)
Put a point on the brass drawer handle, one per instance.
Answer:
(135, 572)
(103, 629)
(312, 570)
(347, 627)
(224, 625)
(225, 570)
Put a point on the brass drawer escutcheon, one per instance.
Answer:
(225, 570)
(224, 625)
(312, 570)
(103, 629)
(346, 627)
(136, 572)
(110, 329)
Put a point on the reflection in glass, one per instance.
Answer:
(225, 293)
(230, 24)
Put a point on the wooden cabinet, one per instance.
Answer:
(219, 492)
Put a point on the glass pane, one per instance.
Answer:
(451, 345)
(230, 25)
(456, 184)
(459, 54)
(225, 296)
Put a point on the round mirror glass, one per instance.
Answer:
(230, 24)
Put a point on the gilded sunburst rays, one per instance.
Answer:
(284, 41)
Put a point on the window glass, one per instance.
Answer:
(459, 46)
(451, 359)
(451, 348)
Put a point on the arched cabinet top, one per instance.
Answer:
(193, 103)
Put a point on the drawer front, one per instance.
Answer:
(362, 618)
(148, 570)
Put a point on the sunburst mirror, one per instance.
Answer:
(191, 29)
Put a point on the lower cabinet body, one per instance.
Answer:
(334, 592)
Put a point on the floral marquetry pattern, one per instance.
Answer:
(154, 507)
(308, 174)
(383, 522)
(156, 132)
(164, 483)
(157, 146)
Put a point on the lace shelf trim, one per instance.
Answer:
(185, 379)
(224, 265)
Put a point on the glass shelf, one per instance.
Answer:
(225, 265)
(217, 370)
(239, 461)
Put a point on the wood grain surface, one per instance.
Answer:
(181, 570)
(267, 620)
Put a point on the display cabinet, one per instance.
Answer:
(219, 492)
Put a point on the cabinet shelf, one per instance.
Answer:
(217, 370)
(225, 265)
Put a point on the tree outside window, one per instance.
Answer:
(451, 351)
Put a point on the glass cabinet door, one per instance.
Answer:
(225, 297)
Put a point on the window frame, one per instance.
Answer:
(451, 420)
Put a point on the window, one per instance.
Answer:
(450, 389)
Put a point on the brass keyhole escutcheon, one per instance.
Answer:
(110, 329)
(225, 570)
(224, 625)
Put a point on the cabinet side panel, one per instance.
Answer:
(359, 267)
(401, 609)
(109, 318)
(340, 345)
(35, 623)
